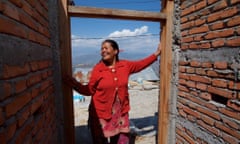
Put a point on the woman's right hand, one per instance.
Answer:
(159, 49)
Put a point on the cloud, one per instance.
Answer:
(129, 41)
(127, 32)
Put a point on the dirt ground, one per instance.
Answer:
(143, 116)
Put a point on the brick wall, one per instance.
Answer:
(27, 100)
(208, 102)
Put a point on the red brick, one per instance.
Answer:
(20, 86)
(211, 106)
(182, 82)
(201, 79)
(187, 11)
(185, 137)
(218, 43)
(222, 14)
(219, 83)
(235, 21)
(191, 112)
(184, 76)
(9, 27)
(209, 128)
(230, 113)
(234, 85)
(201, 71)
(235, 1)
(217, 25)
(206, 96)
(201, 5)
(201, 86)
(183, 88)
(209, 113)
(220, 65)
(198, 37)
(182, 69)
(28, 21)
(210, 2)
(11, 11)
(3, 137)
(219, 34)
(187, 25)
(182, 113)
(26, 130)
(36, 105)
(233, 42)
(35, 92)
(201, 29)
(212, 73)
(23, 116)
(190, 70)
(229, 122)
(228, 130)
(222, 92)
(234, 104)
(221, 5)
(18, 3)
(182, 94)
(200, 45)
(199, 22)
(183, 20)
(7, 89)
(18, 103)
(13, 71)
(43, 64)
(11, 129)
(45, 85)
(191, 84)
(187, 39)
(183, 63)
(195, 64)
(206, 64)
(207, 120)
(34, 79)
(2, 118)
(229, 139)
(184, 33)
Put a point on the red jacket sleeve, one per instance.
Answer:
(136, 66)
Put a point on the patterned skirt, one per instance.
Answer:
(114, 130)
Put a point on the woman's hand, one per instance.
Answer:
(158, 51)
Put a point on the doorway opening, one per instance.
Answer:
(137, 40)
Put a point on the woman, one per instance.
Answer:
(108, 86)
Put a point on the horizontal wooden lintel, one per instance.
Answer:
(93, 12)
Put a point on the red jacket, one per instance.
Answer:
(106, 82)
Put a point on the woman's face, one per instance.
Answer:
(107, 52)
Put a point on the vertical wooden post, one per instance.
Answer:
(66, 69)
(165, 73)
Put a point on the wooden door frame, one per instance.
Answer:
(165, 17)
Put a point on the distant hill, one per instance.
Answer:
(91, 59)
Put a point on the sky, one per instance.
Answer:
(135, 38)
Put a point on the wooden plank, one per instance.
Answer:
(66, 69)
(93, 12)
(165, 74)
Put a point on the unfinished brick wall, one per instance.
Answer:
(27, 100)
(208, 102)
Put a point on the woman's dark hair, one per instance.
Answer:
(114, 46)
